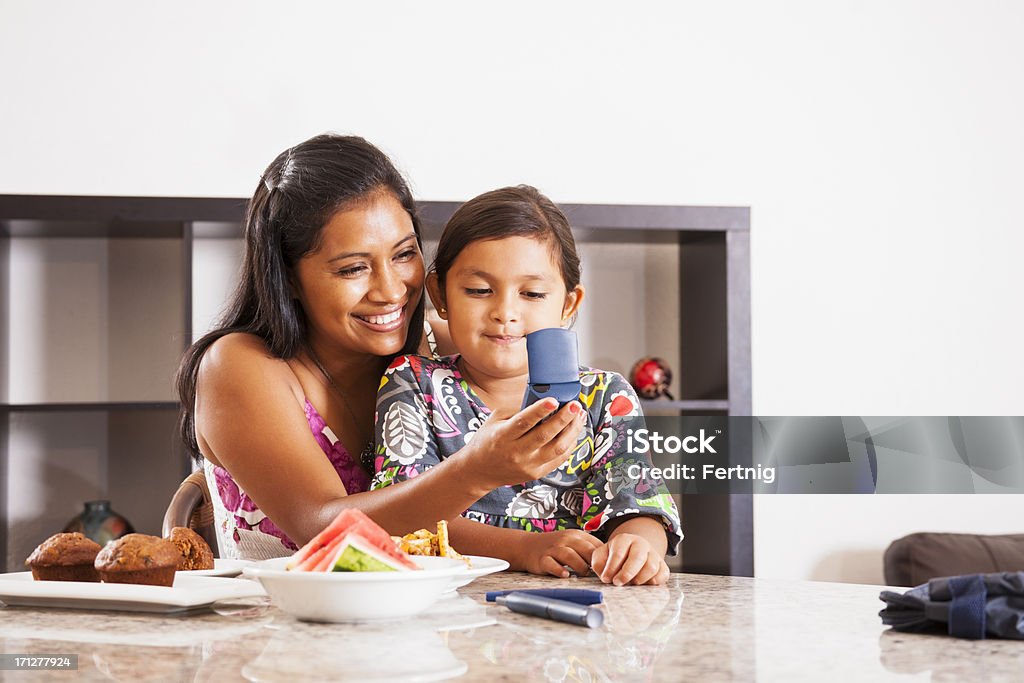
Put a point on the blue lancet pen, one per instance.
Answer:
(550, 608)
(580, 596)
(553, 357)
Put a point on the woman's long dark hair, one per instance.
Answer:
(297, 194)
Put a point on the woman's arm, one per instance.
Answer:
(250, 420)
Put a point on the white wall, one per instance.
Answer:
(878, 144)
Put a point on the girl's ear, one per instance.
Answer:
(436, 295)
(572, 303)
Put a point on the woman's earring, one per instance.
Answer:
(442, 310)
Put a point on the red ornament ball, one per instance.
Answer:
(651, 378)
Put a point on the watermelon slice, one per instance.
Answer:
(321, 561)
(351, 542)
(354, 554)
(344, 518)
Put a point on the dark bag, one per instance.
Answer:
(972, 606)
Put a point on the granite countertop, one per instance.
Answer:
(697, 627)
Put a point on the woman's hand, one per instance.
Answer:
(550, 553)
(511, 449)
(629, 559)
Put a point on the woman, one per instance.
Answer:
(278, 401)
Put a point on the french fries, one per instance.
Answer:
(423, 542)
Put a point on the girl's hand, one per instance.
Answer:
(511, 449)
(629, 559)
(550, 553)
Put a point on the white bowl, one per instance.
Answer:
(356, 596)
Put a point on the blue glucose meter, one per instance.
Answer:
(553, 357)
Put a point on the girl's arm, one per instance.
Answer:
(609, 480)
(250, 420)
(640, 523)
(648, 528)
(634, 554)
(537, 553)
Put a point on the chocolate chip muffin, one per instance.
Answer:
(195, 552)
(64, 557)
(138, 558)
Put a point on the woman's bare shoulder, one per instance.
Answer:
(238, 379)
(242, 360)
(238, 343)
(237, 351)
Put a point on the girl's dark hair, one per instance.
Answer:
(296, 196)
(508, 212)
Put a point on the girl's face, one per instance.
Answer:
(497, 292)
(360, 288)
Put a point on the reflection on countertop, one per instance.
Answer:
(697, 627)
(399, 651)
(122, 646)
(634, 632)
(978, 661)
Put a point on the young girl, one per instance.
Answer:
(506, 266)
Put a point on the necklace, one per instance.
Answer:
(367, 445)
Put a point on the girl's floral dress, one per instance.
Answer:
(426, 412)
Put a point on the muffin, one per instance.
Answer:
(138, 558)
(195, 552)
(64, 557)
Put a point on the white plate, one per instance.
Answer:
(482, 566)
(222, 568)
(356, 596)
(189, 593)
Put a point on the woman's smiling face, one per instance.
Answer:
(497, 292)
(360, 288)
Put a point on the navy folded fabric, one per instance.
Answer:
(973, 606)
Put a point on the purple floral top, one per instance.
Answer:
(244, 532)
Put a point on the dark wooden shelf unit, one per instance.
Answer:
(714, 321)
